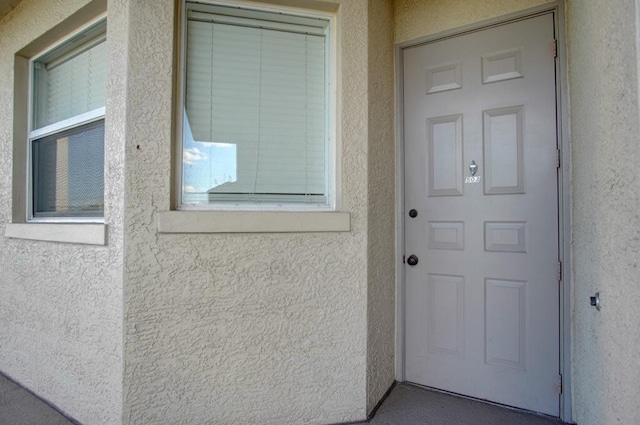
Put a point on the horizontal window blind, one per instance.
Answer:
(263, 90)
(68, 172)
(71, 86)
(67, 127)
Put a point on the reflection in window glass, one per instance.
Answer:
(207, 166)
(256, 107)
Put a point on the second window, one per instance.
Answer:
(256, 108)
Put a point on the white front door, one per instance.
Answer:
(481, 215)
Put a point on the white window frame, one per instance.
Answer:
(331, 142)
(60, 126)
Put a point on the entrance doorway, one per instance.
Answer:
(481, 214)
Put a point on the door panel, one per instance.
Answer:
(481, 309)
(503, 151)
(445, 155)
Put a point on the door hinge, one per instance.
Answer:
(558, 158)
(559, 271)
(554, 48)
(559, 383)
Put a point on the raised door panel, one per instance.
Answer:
(445, 155)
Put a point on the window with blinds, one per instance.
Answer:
(256, 107)
(67, 134)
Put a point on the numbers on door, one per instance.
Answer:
(473, 179)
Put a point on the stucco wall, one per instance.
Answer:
(61, 304)
(603, 82)
(381, 214)
(418, 18)
(247, 328)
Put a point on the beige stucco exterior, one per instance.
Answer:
(293, 327)
(604, 115)
(61, 304)
(252, 321)
(381, 174)
(419, 18)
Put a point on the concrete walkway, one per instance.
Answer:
(412, 405)
(406, 405)
(19, 407)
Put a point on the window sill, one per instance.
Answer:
(88, 234)
(252, 222)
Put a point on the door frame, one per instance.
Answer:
(564, 193)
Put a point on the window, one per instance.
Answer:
(256, 108)
(66, 137)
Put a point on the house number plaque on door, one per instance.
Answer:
(473, 179)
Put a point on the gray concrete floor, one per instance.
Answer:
(19, 407)
(406, 405)
(412, 405)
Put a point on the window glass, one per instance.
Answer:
(256, 108)
(71, 87)
(68, 172)
(67, 136)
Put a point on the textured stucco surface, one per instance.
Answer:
(381, 204)
(603, 83)
(7, 5)
(419, 18)
(60, 304)
(247, 328)
(295, 328)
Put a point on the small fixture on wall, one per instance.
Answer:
(595, 301)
